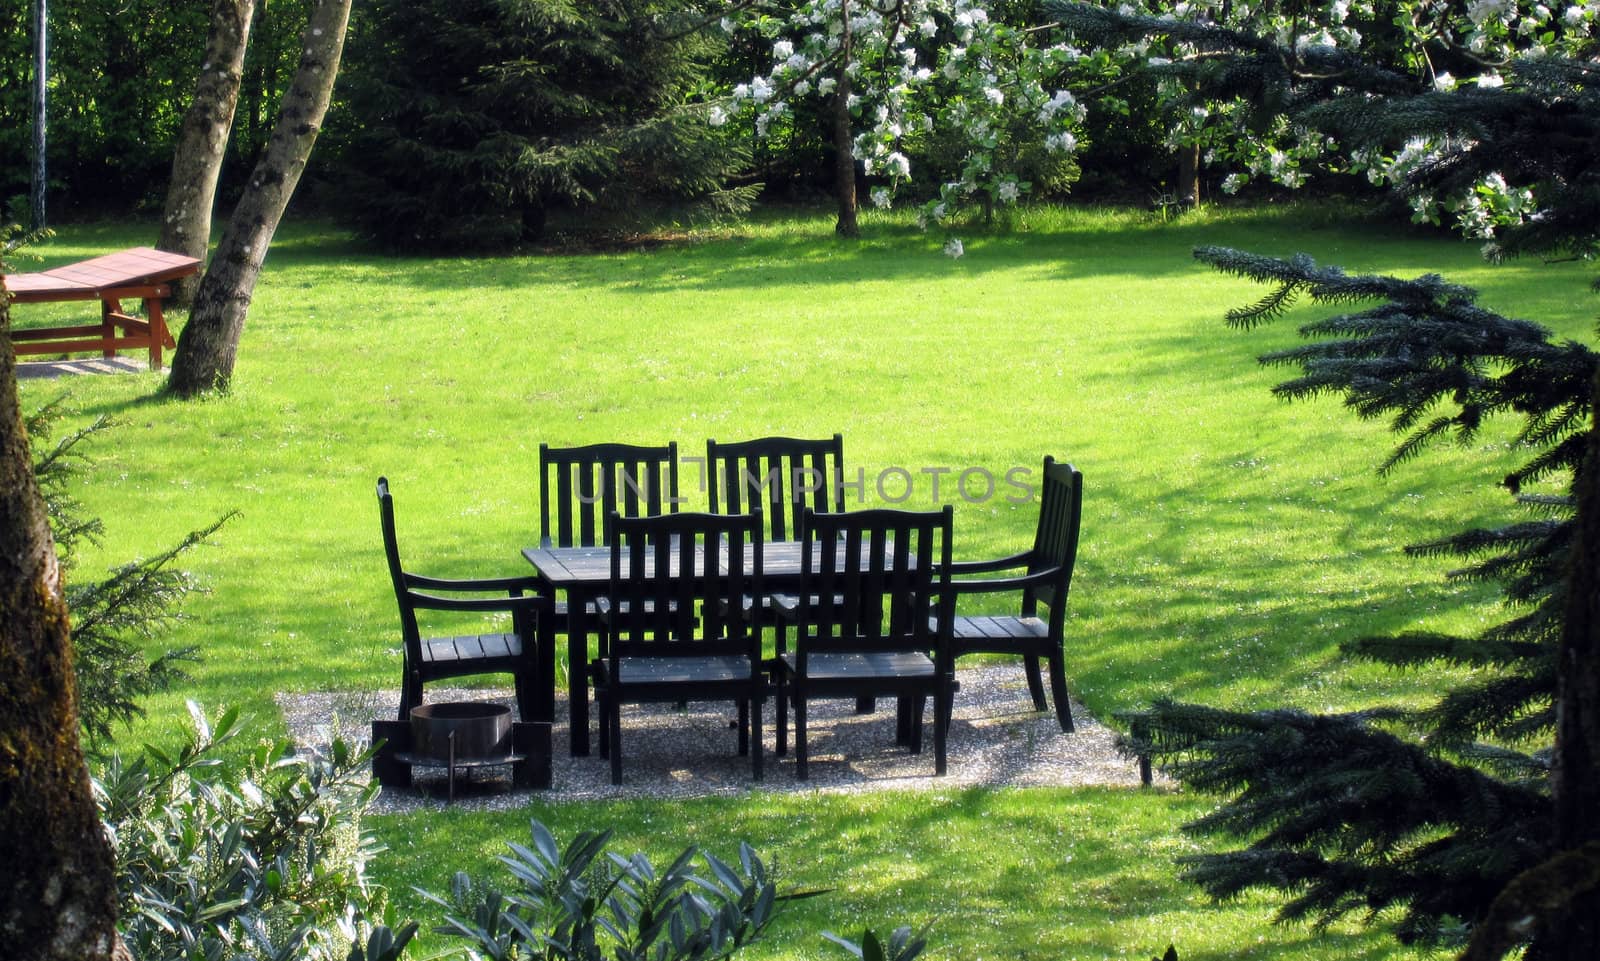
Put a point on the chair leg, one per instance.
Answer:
(902, 720)
(526, 696)
(603, 711)
(614, 725)
(783, 719)
(755, 739)
(410, 694)
(744, 727)
(1058, 690)
(918, 706)
(800, 771)
(1035, 682)
(943, 702)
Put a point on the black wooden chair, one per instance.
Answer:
(661, 566)
(581, 487)
(783, 477)
(432, 658)
(1045, 578)
(864, 575)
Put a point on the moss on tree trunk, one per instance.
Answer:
(58, 892)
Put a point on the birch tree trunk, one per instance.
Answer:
(197, 160)
(58, 888)
(209, 344)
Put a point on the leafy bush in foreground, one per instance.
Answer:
(261, 857)
(574, 905)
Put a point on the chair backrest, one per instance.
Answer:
(678, 583)
(864, 574)
(397, 576)
(581, 487)
(1055, 541)
(783, 476)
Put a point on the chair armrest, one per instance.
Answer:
(511, 585)
(998, 564)
(990, 585)
(433, 602)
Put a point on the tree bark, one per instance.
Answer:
(58, 894)
(844, 163)
(197, 160)
(1189, 175)
(1574, 777)
(210, 341)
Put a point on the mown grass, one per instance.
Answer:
(1231, 540)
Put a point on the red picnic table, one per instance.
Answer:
(139, 272)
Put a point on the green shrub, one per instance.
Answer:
(574, 905)
(255, 856)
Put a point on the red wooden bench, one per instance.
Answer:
(139, 272)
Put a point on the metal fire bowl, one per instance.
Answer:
(480, 731)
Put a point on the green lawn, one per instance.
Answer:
(1231, 540)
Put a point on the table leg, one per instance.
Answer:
(578, 673)
(158, 330)
(108, 326)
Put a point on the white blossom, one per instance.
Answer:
(1006, 193)
(881, 197)
(717, 117)
(1063, 142)
(953, 248)
(1481, 11)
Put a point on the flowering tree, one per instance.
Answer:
(1217, 113)
(896, 75)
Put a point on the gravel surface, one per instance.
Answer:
(996, 739)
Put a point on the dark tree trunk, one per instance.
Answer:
(197, 160)
(58, 887)
(1557, 903)
(844, 171)
(1188, 192)
(1574, 777)
(210, 341)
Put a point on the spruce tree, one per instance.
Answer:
(1473, 817)
(470, 121)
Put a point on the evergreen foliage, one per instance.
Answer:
(115, 619)
(1430, 811)
(1433, 813)
(1535, 129)
(467, 123)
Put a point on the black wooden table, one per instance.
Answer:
(583, 574)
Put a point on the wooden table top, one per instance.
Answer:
(101, 277)
(588, 567)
